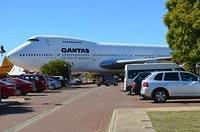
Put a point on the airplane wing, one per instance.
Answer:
(119, 64)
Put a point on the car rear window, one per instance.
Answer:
(158, 77)
(143, 76)
(171, 76)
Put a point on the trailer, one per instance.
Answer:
(132, 70)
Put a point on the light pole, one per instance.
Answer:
(2, 51)
(0, 95)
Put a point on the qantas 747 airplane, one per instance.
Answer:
(83, 55)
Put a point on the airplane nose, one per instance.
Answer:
(12, 56)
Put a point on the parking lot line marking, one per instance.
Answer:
(46, 113)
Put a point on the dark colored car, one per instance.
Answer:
(38, 80)
(64, 82)
(22, 86)
(106, 80)
(6, 89)
(136, 83)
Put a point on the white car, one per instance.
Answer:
(75, 81)
(163, 85)
(53, 84)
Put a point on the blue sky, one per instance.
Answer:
(127, 21)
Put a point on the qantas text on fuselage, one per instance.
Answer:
(75, 50)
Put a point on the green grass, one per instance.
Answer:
(175, 121)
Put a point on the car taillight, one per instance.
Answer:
(134, 85)
(145, 84)
(11, 87)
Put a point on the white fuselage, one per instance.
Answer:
(85, 56)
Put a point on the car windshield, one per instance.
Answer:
(142, 76)
(4, 83)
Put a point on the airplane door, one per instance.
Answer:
(93, 59)
(57, 56)
(84, 61)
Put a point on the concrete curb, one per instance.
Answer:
(129, 120)
(20, 100)
(112, 122)
(190, 108)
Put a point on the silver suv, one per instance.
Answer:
(163, 85)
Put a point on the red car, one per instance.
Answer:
(38, 80)
(6, 89)
(22, 86)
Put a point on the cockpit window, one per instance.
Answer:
(33, 39)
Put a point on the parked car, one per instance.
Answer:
(75, 81)
(164, 85)
(38, 80)
(106, 80)
(136, 83)
(64, 82)
(22, 86)
(6, 89)
(53, 84)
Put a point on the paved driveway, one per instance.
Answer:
(87, 108)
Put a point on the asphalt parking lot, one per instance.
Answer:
(85, 108)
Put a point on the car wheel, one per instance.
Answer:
(38, 90)
(108, 83)
(116, 83)
(53, 87)
(18, 92)
(160, 96)
(4, 96)
(77, 83)
(24, 93)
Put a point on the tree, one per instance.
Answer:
(183, 37)
(89, 76)
(57, 68)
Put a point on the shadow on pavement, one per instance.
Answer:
(179, 102)
(14, 108)
(52, 91)
(38, 94)
(78, 87)
(52, 104)
(183, 101)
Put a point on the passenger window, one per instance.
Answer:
(131, 74)
(37, 78)
(158, 77)
(10, 81)
(171, 76)
(27, 78)
(188, 77)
